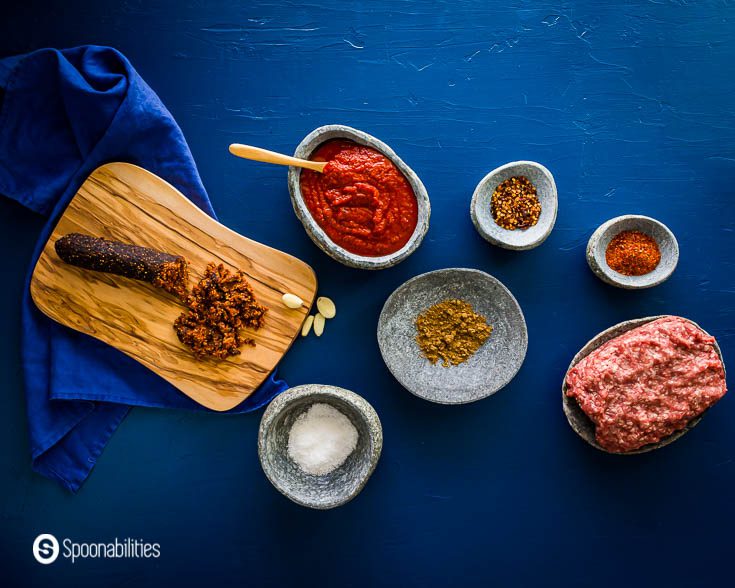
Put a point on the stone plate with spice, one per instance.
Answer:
(487, 370)
(633, 225)
(581, 423)
(542, 214)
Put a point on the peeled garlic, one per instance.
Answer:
(326, 307)
(292, 301)
(306, 327)
(318, 324)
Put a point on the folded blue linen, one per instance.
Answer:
(63, 114)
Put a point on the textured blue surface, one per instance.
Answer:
(628, 103)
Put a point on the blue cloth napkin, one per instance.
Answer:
(63, 114)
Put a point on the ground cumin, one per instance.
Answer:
(451, 331)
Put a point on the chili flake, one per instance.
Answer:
(451, 331)
(632, 253)
(515, 204)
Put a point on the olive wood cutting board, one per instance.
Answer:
(126, 203)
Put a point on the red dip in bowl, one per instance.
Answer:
(648, 383)
(362, 201)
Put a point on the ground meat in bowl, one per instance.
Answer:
(648, 383)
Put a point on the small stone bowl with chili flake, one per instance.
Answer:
(633, 224)
(541, 222)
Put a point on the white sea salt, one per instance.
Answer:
(321, 439)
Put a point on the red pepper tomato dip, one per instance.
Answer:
(362, 201)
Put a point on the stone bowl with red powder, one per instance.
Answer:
(668, 248)
(634, 408)
(368, 209)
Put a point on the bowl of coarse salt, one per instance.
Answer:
(318, 444)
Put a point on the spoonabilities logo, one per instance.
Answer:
(45, 548)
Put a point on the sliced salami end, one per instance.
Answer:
(164, 270)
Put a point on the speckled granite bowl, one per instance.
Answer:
(310, 143)
(581, 423)
(600, 239)
(519, 239)
(487, 371)
(339, 486)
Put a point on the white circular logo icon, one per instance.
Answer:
(45, 549)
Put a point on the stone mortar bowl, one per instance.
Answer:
(600, 239)
(519, 239)
(487, 371)
(581, 423)
(304, 151)
(337, 487)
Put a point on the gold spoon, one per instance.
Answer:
(258, 154)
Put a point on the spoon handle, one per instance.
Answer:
(258, 154)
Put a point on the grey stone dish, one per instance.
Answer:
(304, 150)
(487, 371)
(600, 239)
(581, 423)
(337, 487)
(519, 239)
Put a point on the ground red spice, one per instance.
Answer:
(362, 201)
(632, 253)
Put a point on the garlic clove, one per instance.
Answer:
(326, 307)
(318, 324)
(306, 327)
(292, 301)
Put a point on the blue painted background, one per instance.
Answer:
(629, 103)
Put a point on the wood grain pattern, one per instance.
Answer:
(124, 202)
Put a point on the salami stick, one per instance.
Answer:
(164, 270)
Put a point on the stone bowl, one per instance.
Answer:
(487, 371)
(581, 423)
(518, 239)
(339, 486)
(600, 239)
(304, 150)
